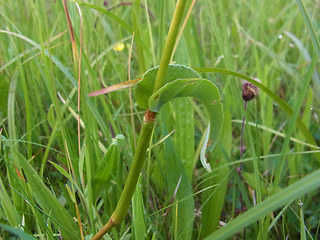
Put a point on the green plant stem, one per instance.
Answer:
(138, 160)
(122, 207)
(169, 45)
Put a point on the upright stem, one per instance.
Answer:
(241, 165)
(123, 204)
(242, 133)
(148, 123)
(169, 45)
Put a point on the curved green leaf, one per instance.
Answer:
(203, 90)
(144, 88)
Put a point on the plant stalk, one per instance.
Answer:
(169, 45)
(122, 207)
(241, 164)
(139, 157)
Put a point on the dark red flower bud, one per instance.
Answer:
(249, 90)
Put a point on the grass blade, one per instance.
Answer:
(10, 211)
(48, 202)
(115, 87)
(138, 219)
(184, 136)
(17, 232)
(122, 23)
(299, 188)
(216, 197)
(49, 55)
(173, 170)
(307, 21)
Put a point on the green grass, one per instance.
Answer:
(176, 198)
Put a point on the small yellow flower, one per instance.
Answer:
(119, 47)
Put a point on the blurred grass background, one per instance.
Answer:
(175, 197)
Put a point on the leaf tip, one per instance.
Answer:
(203, 157)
